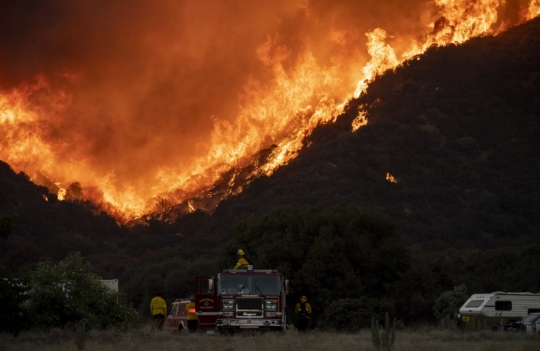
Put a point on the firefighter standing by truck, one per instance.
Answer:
(303, 311)
(158, 309)
(192, 319)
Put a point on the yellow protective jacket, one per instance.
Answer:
(242, 263)
(302, 313)
(191, 313)
(158, 306)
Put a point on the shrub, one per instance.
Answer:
(386, 339)
(67, 293)
(448, 304)
(351, 315)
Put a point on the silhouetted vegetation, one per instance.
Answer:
(329, 254)
(13, 318)
(66, 294)
(7, 224)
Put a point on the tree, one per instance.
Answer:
(447, 305)
(7, 225)
(67, 293)
(386, 339)
(352, 315)
(342, 252)
(12, 296)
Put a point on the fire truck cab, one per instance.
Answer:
(241, 299)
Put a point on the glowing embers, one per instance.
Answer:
(360, 120)
(62, 194)
(391, 178)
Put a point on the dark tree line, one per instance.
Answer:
(329, 254)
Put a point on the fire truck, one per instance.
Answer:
(241, 299)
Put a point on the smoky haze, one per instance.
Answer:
(148, 79)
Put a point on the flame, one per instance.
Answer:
(383, 57)
(360, 120)
(300, 84)
(533, 10)
(390, 178)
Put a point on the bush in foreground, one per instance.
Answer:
(353, 315)
(64, 294)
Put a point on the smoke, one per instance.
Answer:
(145, 81)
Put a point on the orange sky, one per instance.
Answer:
(146, 95)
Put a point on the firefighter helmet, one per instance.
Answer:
(303, 299)
(240, 252)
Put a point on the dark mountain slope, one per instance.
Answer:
(458, 128)
(46, 227)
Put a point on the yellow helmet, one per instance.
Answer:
(303, 299)
(240, 252)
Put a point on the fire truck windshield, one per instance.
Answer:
(238, 284)
(267, 285)
(234, 285)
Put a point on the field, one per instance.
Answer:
(144, 339)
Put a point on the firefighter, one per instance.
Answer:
(242, 263)
(192, 319)
(158, 309)
(303, 311)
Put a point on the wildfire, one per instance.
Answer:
(301, 84)
(360, 120)
(390, 178)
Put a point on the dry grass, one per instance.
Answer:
(146, 340)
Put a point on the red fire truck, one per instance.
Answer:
(241, 299)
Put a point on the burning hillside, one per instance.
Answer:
(142, 106)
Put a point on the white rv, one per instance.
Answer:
(501, 304)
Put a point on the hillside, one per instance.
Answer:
(46, 227)
(457, 127)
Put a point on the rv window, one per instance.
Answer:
(503, 305)
(475, 303)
